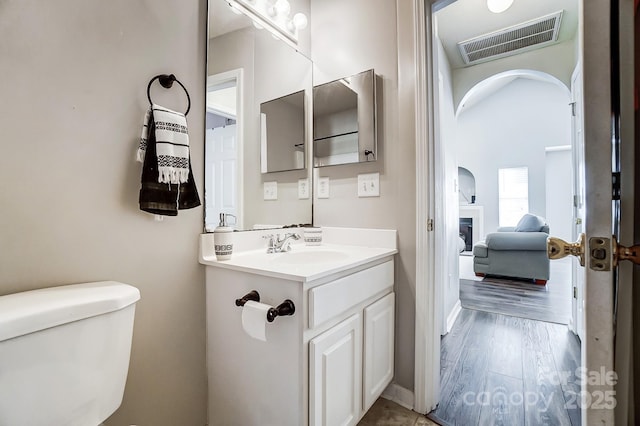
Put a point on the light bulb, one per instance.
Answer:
(283, 7)
(499, 6)
(300, 21)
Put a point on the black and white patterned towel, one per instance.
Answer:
(172, 143)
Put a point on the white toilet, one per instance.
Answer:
(64, 353)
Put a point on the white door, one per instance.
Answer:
(335, 375)
(378, 348)
(223, 149)
(605, 150)
(597, 344)
(559, 191)
(597, 398)
(578, 272)
(222, 173)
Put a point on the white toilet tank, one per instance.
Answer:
(64, 353)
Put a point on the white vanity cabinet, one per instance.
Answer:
(379, 326)
(324, 365)
(335, 374)
(351, 364)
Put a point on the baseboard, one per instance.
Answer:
(399, 395)
(453, 315)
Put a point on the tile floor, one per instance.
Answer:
(387, 413)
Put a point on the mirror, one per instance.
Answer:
(248, 68)
(344, 120)
(282, 133)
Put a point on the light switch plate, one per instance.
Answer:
(303, 189)
(270, 190)
(323, 187)
(369, 185)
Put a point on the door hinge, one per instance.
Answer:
(575, 292)
(430, 225)
(615, 185)
(573, 109)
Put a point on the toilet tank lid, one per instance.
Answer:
(31, 311)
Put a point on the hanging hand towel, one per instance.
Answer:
(144, 137)
(167, 180)
(172, 144)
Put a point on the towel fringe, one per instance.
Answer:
(171, 175)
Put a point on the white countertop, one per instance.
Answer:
(302, 263)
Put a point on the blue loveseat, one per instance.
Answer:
(519, 251)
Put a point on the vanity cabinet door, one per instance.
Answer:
(335, 388)
(378, 348)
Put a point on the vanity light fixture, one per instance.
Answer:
(499, 6)
(274, 16)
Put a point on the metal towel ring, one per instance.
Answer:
(166, 81)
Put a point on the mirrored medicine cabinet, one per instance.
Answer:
(344, 120)
(267, 122)
(282, 133)
(248, 69)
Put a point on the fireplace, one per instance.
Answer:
(466, 232)
(471, 215)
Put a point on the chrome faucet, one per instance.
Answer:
(277, 245)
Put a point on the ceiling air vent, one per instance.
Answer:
(512, 40)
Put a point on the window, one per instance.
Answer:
(513, 195)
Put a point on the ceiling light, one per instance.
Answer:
(499, 6)
(273, 15)
(299, 21)
(283, 7)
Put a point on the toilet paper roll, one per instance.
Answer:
(254, 319)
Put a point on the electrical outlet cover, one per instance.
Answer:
(323, 187)
(270, 190)
(303, 189)
(369, 185)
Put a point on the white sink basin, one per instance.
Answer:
(302, 263)
(311, 257)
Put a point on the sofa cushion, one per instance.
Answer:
(530, 223)
(480, 249)
(516, 241)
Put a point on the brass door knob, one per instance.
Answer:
(625, 253)
(558, 248)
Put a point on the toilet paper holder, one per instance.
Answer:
(284, 309)
(252, 295)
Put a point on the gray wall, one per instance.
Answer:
(271, 69)
(559, 60)
(361, 36)
(74, 78)
(511, 128)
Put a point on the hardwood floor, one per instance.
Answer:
(520, 298)
(505, 370)
(515, 298)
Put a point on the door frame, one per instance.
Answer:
(214, 81)
(597, 346)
